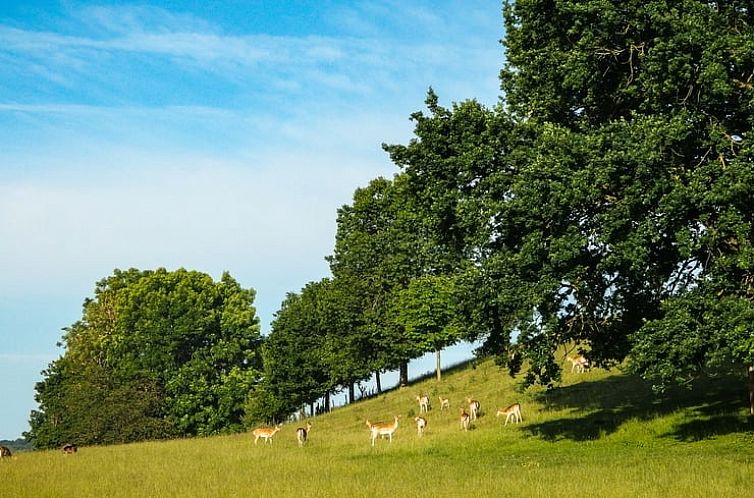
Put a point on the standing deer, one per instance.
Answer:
(303, 433)
(513, 410)
(444, 403)
(265, 433)
(423, 403)
(421, 424)
(382, 429)
(474, 407)
(578, 363)
(465, 418)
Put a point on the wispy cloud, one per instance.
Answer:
(357, 63)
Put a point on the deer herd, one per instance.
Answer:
(470, 412)
(388, 429)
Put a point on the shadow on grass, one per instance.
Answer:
(600, 407)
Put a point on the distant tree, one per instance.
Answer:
(156, 354)
(381, 244)
(295, 367)
(427, 312)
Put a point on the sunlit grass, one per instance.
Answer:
(601, 434)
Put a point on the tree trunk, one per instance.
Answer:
(403, 374)
(351, 393)
(438, 365)
(327, 403)
(378, 382)
(750, 385)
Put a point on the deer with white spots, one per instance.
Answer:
(266, 433)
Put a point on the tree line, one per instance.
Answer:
(606, 200)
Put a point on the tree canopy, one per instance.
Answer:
(155, 354)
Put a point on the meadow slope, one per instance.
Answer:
(599, 434)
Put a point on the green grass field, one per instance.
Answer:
(600, 434)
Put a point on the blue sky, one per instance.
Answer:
(212, 136)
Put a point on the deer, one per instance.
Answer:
(513, 410)
(382, 429)
(302, 433)
(474, 408)
(444, 403)
(465, 419)
(70, 449)
(4, 452)
(578, 363)
(266, 433)
(423, 403)
(421, 424)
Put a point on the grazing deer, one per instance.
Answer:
(474, 407)
(423, 403)
(70, 449)
(444, 403)
(465, 419)
(382, 429)
(421, 424)
(4, 452)
(266, 433)
(512, 411)
(302, 433)
(578, 363)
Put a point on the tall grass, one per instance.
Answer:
(601, 434)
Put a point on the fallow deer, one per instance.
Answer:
(70, 449)
(474, 408)
(382, 429)
(578, 363)
(266, 433)
(421, 424)
(465, 419)
(512, 411)
(423, 403)
(302, 433)
(444, 403)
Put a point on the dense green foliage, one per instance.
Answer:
(156, 354)
(608, 200)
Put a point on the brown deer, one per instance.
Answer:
(4, 452)
(382, 429)
(70, 449)
(265, 433)
(474, 408)
(512, 411)
(444, 403)
(465, 419)
(423, 403)
(578, 363)
(302, 433)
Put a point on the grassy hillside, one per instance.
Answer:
(601, 434)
